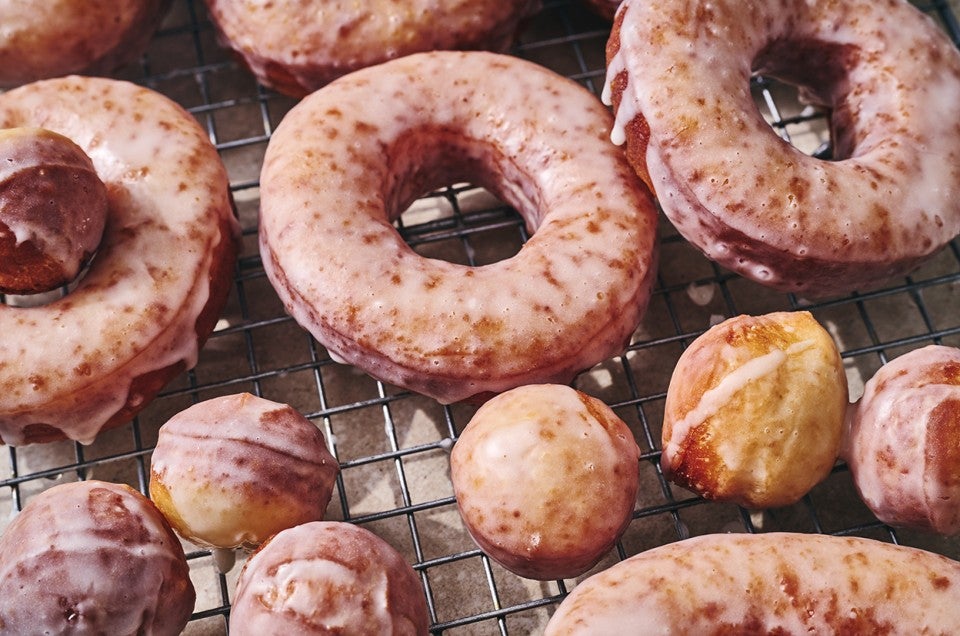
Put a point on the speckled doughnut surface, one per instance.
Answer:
(678, 75)
(351, 157)
(901, 441)
(152, 295)
(297, 46)
(93, 557)
(56, 37)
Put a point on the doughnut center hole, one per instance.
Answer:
(459, 200)
(798, 85)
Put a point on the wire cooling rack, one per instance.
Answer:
(393, 445)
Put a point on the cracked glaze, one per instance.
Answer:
(678, 75)
(93, 557)
(152, 294)
(776, 583)
(354, 155)
(328, 578)
(297, 46)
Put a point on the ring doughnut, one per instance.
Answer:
(152, 294)
(350, 158)
(296, 56)
(46, 39)
(748, 199)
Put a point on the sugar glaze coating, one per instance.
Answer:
(328, 577)
(351, 157)
(901, 443)
(546, 479)
(57, 37)
(755, 410)
(92, 558)
(234, 470)
(774, 583)
(53, 208)
(297, 46)
(153, 293)
(678, 76)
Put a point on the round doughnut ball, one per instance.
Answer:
(297, 56)
(53, 208)
(377, 139)
(232, 471)
(328, 578)
(546, 480)
(754, 411)
(92, 558)
(154, 291)
(902, 443)
(57, 37)
(678, 75)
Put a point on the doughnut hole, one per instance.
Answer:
(754, 411)
(53, 209)
(93, 557)
(232, 471)
(328, 577)
(546, 480)
(901, 441)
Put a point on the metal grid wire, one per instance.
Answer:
(393, 445)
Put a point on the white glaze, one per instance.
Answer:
(791, 221)
(69, 364)
(570, 298)
(899, 440)
(118, 567)
(328, 576)
(732, 383)
(237, 469)
(57, 37)
(297, 46)
(769, 583)
(546, 480)
(71, 230)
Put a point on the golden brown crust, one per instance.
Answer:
(755, 410)
(53, 208)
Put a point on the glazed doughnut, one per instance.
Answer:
(377, 139)
(57, 37)
(755, 410)
(546, 479)
(901, 441)
(92, 557)
(232, 471)
(53, 208)
(151, 296)
(775, 583)
(296, 55)
(678, 76)
(328, 577)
